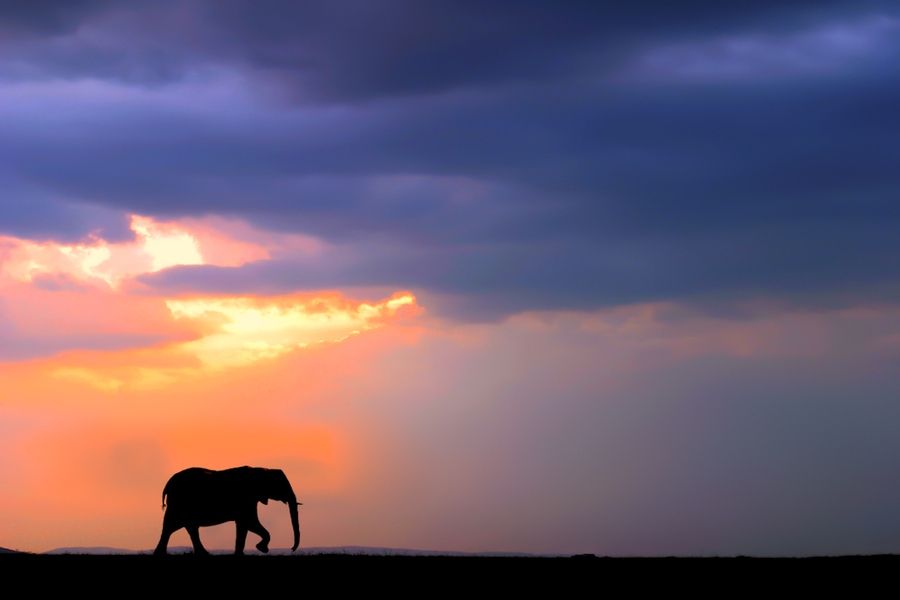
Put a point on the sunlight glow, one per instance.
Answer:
(166, 246)
(156, 246)
(227, 333)
(89, 377)
(251, 329)
(114, 340)
(24, 260)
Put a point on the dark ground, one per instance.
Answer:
(222, 576)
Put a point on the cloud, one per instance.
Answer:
(28, 213)
(562, 185)
(252, 329)
(111, 341)
(156, 246)
(349, 51)
(825, 50)
(47, 17)
(87, 296)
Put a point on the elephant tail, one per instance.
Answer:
(165, 493)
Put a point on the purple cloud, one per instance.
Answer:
(496, 154)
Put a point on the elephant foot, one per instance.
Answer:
(201, 552)
(159, 552)
(263, 547)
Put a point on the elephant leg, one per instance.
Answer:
(194, 532)
(240, 537)
(256, 527)
(168, 529)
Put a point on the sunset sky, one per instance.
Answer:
(551, 277)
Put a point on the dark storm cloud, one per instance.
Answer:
(46, 17)
(353, 49)
(529, 157)
(358, 50)
(32, 213)
(825, 266)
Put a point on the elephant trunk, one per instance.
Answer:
(295, 521)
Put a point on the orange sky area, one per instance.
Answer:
(117, 387)
(396, 428)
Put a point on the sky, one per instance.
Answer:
(620, 278)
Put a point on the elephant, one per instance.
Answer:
(199, 497)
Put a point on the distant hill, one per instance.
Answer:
(362, 550)
(8, 551)
(91, 550)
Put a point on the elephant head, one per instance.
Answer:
(273, 484)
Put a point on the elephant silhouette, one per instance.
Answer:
(199, 497)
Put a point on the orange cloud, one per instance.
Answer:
(157, 245)
(251, 329)
(231, 332)
(62, 297)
